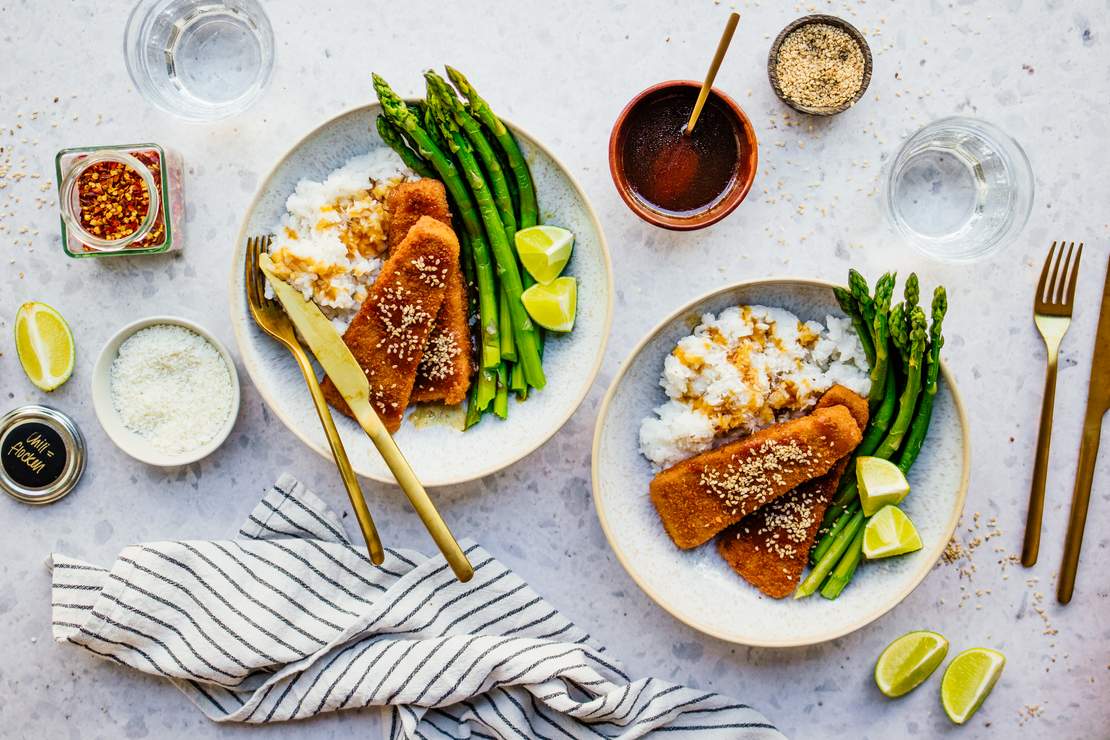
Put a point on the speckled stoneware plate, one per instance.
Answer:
(438, 451)
(696, 586)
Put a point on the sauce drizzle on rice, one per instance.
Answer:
(744, 370)
(330, 240)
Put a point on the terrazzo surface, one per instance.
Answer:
(1040, 70)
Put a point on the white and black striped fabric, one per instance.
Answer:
(290, 619)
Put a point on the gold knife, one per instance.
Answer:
(1098, 402)
(340, 365)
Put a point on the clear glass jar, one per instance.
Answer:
(152, 229)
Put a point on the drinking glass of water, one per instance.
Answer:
(199, 59)
(960, 189)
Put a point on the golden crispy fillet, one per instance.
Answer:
(390, 331)
(409, 201)
(770, 547)
(444, 373)
(699, 497)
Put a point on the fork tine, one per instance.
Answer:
(1043, 283)
(1073, 278)
(251, 268)
(259, 294)
(1062, 265)
(263, 244)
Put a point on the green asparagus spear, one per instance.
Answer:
(391, 135)
(501, 398)
(825, 565)
(445, 96)
(884, 289)
(473, 413)
(920, 425)
(851, 308)
(503, 253)
(907, 402)
(529, 210)
(516, 382)
(487, 387)
(839, 522)
(405, 119)
(861, 294)
(508, 346)
(912, 294)
(899, 331)
(845, 568)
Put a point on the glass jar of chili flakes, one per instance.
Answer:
(118, 200)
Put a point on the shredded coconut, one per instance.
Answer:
(172, 387)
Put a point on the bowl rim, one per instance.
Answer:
(829, 20)
(240, 323)
(928, 561)
(126, 440)
(717, 211)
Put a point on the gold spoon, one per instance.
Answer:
(718, 57)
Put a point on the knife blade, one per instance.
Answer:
(351, 382)
(1098, 402)
(324, 341)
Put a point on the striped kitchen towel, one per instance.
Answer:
(290, 619)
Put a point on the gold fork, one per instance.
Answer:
(1052, 314)
(272, 320)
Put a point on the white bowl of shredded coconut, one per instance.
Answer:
(165, 391)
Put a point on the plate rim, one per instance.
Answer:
(927, 563)
(239, 324)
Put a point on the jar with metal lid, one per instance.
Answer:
(120, 200)
(42, 454)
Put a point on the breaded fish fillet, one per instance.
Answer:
(770, 547)
(409, 201)
(444, 373)
(391, 329)
(699, 497)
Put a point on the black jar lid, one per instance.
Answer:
(42, 454)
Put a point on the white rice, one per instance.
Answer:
(328, 242)
(743, 370)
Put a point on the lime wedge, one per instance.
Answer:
(44, 344)
(908, 661)
(544, 251)
(552, 306)
(889, 532)
(880, 483)
(968, 681)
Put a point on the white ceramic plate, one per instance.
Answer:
(131, 443)
(696, 586)
(440, 454)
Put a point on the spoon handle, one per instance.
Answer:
(722, 47)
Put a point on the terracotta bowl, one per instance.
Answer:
(714, 212)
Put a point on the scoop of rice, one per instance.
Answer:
(329, 239)
(743, 370)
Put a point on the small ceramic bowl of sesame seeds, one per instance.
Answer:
(165, 391)
(820, 65)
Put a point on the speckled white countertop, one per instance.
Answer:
(1041, 70)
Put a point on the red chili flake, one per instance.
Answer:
(114, 200)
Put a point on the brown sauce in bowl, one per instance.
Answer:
(674, 172)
